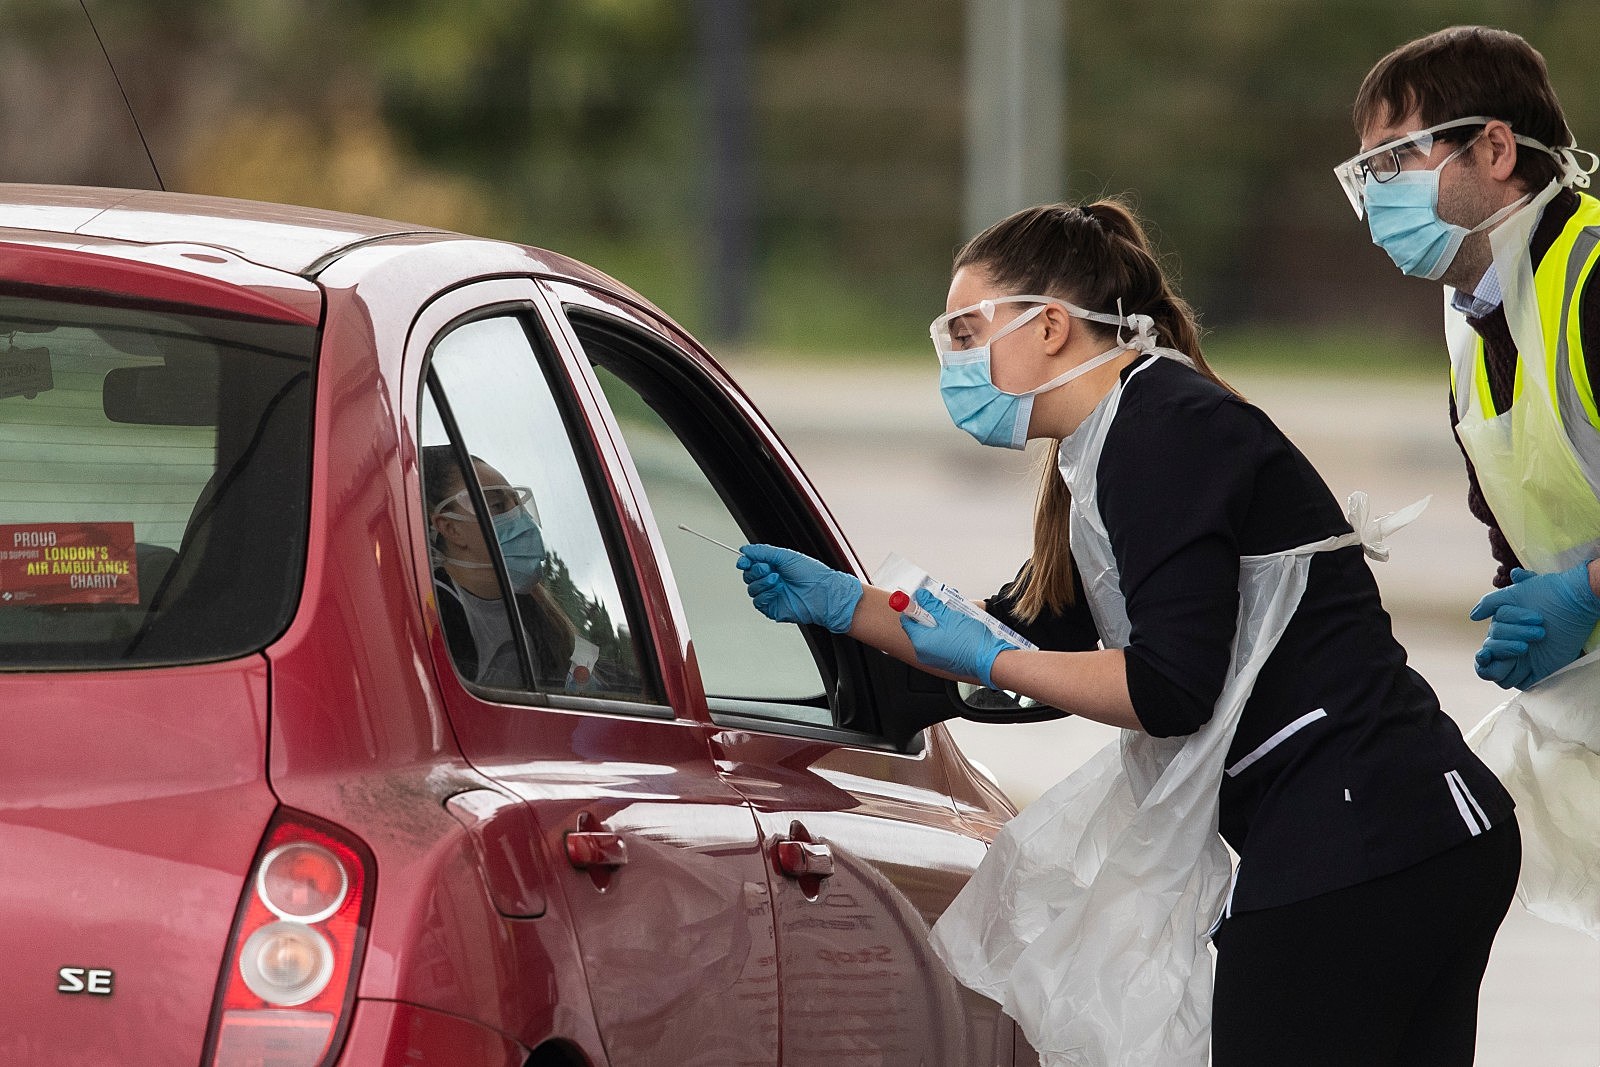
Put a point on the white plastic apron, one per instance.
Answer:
(1088, 919)
(1543, 744)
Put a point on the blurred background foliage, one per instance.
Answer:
(581, 125)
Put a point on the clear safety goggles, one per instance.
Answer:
(502, 499)
(1411, 150)
(972, 327)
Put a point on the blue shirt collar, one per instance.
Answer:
(1483, 299)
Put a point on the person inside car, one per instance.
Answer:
(476, 624)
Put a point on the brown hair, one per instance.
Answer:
(1092, 256)
(1464, 71)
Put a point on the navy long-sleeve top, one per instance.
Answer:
(1343, 767)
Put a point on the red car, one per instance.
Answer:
(364, 703)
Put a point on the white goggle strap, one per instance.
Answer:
(1143, 326)
(1014, 324)
(1573, 173)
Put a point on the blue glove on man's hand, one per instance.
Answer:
(959, 645)
(789, 586)
(1503, 657)
(1562, 605)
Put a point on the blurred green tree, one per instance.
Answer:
(579, 125)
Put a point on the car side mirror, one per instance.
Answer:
(980, 704)
(907, 701)
(160, 396)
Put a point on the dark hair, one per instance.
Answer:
(1093, 256)
(441, 477)
(1464, 71)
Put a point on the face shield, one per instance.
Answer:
(502, 500)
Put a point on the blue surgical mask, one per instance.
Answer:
(1403, 217)
(992, 415)
(522, 547)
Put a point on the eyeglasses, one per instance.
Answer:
(500, 498)
(1385, 161)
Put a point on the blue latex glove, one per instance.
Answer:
(1502, 659)
(959, 645)
(789, 586)
(1562, 604)
(1510, 672)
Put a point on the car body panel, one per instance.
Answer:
(165, 272)
(860, 980)
(123, 845)
(384, 1031)
(285, 238)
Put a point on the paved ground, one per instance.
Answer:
(898, 477)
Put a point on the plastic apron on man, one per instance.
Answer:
(1089, 918)
(1538, 465)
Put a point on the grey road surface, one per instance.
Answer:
(876, 442)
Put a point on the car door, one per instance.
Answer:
(822, 736)
(561, 686)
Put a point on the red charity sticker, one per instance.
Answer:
(68, 563)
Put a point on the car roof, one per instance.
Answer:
(283, 237)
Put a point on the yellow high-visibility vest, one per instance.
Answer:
(1558, 282)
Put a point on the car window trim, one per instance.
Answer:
(725, 714)
(528, 698)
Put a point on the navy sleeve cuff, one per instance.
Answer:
(1163, 709)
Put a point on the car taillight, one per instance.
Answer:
(289, 978)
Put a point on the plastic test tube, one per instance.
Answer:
(901, 602)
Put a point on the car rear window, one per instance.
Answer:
(154, 466)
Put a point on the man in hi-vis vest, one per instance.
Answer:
(1466, 176)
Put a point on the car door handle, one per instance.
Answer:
(591, 845)
(595, 848)
(804, 859)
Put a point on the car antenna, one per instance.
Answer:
(129, 103)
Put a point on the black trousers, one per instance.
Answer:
(1382, 974)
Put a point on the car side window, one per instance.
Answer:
(749, 665)
(510, 521)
